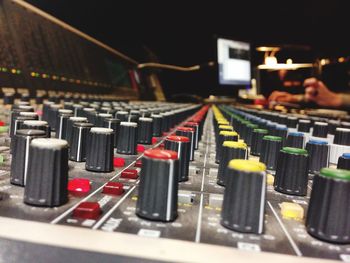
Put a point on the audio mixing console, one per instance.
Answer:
(117, 198)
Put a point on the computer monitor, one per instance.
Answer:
(233, 62)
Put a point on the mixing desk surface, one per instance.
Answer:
(150, 181)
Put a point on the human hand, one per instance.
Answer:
(318, 92)
(282, 96)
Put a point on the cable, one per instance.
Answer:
(173, 67)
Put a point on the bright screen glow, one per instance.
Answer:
(234, 62)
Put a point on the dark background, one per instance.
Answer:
(182, 32)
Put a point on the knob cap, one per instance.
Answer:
(295, 140)
(122, 115)
(101, 117)
(181, 145)
(292, 171)
(47, 178)
(244, 198)
(320, 129)
(113, 124)
(304, 126)
(189, 133)
(318, 155)
(79, 143)
(38, 125)
(99, 155)
(127, 138)
(157, 197)
(271, 146)
(20, 154)
(144, 134)
(15, 114)
(157, 125)
(328, 213)
(230, 150)
(344, 161)
(256, 141)
(61, 123)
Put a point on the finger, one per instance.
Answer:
(310, 82)
(274, 95)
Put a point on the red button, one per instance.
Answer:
(154, 140)
(129, 174)
(79, 186)
(138, 163)
(113, 188)
(87, 210)
(140, 148)
(2, 123)
(118, 162)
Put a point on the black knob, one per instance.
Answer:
(99, 155)
(292, 171)
(224, 136)
(318, 155)
(181, 145)
(78, 110)
(113, 124)
(20, 154)
(127, 138)
(15, 113)
(38, 125)
(292, 122)
(189, 133)
(157, 125)
(256, 141)
(328, 213)
(61, 123)
(157, 197)
(46, 109)
(145, 127)
(195, 127)
(332, 125)
(281, 131)
(230, 150)
(270, 149)
(17, 121)
(295, 140)
(344, 161)
(69, 130)
(101, 117)
(304, 126)
(249, 133)
(47, 178)
(9, 98)
(340, 144)
(122, 116)
(320, 129)
(342, 136)
(244, 197)
(79, 142)
(53, 115)
(90, 114)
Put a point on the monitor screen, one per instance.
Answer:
(233, 62)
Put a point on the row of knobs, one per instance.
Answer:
(327, 217)
(41, 164)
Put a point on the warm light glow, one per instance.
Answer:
(341, 59)
(289, 61)
(264, 49)
(270, 60)
(324, 61)
(285, 66)
(13, 71)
